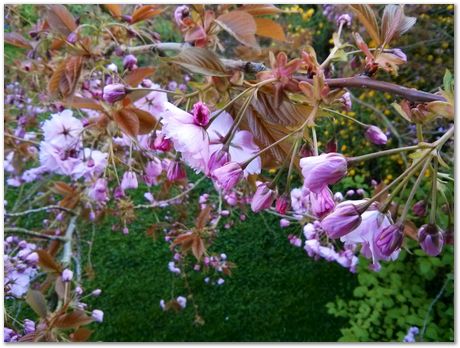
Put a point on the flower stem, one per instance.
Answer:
(346, 116)
(315, 141)
(434, 191)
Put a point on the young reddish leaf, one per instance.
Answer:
(59, 287)
(395, 23)
(241, 25)
(268, 28)
(136, 76)
(260, 9)
(60, 19)
(198, 247)
(145, 12)
(114, 9)
(72, 320)
(200, 60)
(83, 103)
(367, 17)
(46, 261)
(146, 121)
(82, 334)
(203, 218)
(37, 302)
(17, 40)
(65, 78)
(128, 122)
(62, 188)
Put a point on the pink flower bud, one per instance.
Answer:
(67, 275)
(217, 160)
(96, 292)
(345, 19)
(419, 208)
(201, 114)
(282, 204)
(32, 258)
(284, 223)
(375, 135)
(431, 239)
(175, 171)
(152, 170)
(72, 38)
(182, 301)
(180, 13)
(390, 239)
(114, 92)
(129, 62)
(322, 202)
(97, 315)
(228, 175)
(160, 143)
(129, 181)
(344, 219)
(325, 169)
(263, 198)
(399, 53)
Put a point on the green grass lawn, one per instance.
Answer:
(276, 292)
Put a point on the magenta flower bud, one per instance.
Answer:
(263, 198)
(419, 208)
(129, 181)
(152, 170)
(97, 315)
(375, 135)
(72, 38)
(390, 239)
(323, 170)
(114, 92)
(201, 114)
(282, 204)
(218, 159)
(344, 219)
(160, 143)
(431, 239)
(175, 171)
(96, 292)
(228, 175)
(67, 275)
(129, 62)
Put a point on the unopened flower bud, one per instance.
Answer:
(263, 198)
(97, 315)
(390, 239)
(431, 239)
(201, 114)
(344, 219)
(129, 62)
(375, 135)
(114, 92)
(67, 275)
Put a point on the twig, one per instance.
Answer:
(37, 210)
(167, 201)
(430, 307)
(383, 86)
(33, 233)
(68, 238)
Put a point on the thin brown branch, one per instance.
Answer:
(32, 233)
(37, 210)
(411, 94)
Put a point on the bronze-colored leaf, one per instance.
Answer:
(410, 229)
(65, 78)
(46, 261)
(200, 60)
(17, 40)
(114, 9)
(60, 19)
(82, 334)
(198, 247)
(241, 25)
(260, 9)
(62, 188)
(395, 23)
(128, 122)
(271, 29)
(72, 320)
(37, 302)
(59, 287)
(83, 103)
(144, 12)
(367, 17)
(203, 217)
(146, 120)
(136, 76)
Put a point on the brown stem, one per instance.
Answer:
(411, 94)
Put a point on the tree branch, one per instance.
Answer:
(344, 82)
(364, 82)
(68, 238)
(37, 210)
(33, 233)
